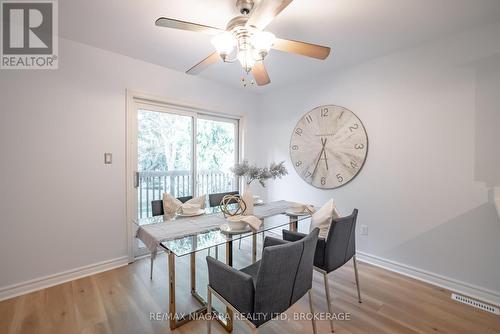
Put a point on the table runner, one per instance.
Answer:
(152, 235)
(271, 209)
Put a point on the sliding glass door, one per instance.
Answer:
(217, 152)
(183, 153)
(165, 156)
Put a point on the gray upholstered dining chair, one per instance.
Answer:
(215, 199)
(263, 290)
(157, 210)
(332, 253)
(157, 205)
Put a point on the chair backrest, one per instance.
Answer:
(303, 281)
(341, 242)
(157, 205)
(184, 199)
(277, 286)
(215, 199)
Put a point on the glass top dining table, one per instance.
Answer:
(199, 241)
(181, 236)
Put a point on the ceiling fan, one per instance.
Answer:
(245, 39)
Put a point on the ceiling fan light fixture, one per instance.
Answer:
(246, 59)
(244, 39)
(224, 43)
(262, 41)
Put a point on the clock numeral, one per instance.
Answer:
(298, 163)
(323, 181)
(324, 112)
(309, 119)
(295, 147)
(298, 131)
(354, 164)
(308, 174)
(354, 127)
(340, 178)
(359, 146)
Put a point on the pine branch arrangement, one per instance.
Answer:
(253, 173)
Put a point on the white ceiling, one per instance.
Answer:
(355, 29)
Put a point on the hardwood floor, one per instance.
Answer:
(122, 301)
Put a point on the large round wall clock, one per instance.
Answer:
(328, 146)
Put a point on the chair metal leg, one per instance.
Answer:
(328, 299)
(192, 269)
(254, 248)
(356, 277)
(151, 268)
(311, 306)
(209, 311)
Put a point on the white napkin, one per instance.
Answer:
(171, 205)
(300, 208)
(254, 222)
(189, 208)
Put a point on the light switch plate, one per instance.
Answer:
(108, 158)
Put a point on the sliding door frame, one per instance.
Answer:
(136, 100)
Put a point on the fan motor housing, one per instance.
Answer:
(237, 22)
(245, 6)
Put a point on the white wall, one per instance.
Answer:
(61, 208)
(419, 192)
(431, 114)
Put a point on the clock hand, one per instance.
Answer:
(324, 151)
(323, 143)
(317, 163)
(326, 159)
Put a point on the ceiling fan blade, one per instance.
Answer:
(266, 11)
(302, 48)
(202, 65)
(260, 74)
(183, 25)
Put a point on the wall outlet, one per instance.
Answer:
(364, 229)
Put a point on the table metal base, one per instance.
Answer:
(175, 322)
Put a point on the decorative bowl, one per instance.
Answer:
(235, 223)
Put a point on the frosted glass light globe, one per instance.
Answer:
(224, 43)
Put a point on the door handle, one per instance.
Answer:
(136, 180)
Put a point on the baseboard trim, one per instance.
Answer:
(470, 290)
(22, 288)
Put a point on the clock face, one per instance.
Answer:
(328, 146)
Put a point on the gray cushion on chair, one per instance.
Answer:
(341, 242)
(292, 235)
(319, 254)
(272, 284)
(275, 280)
(303, 282)
(235, 286)
(252, 270)
(339, 247)
(270, 241)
